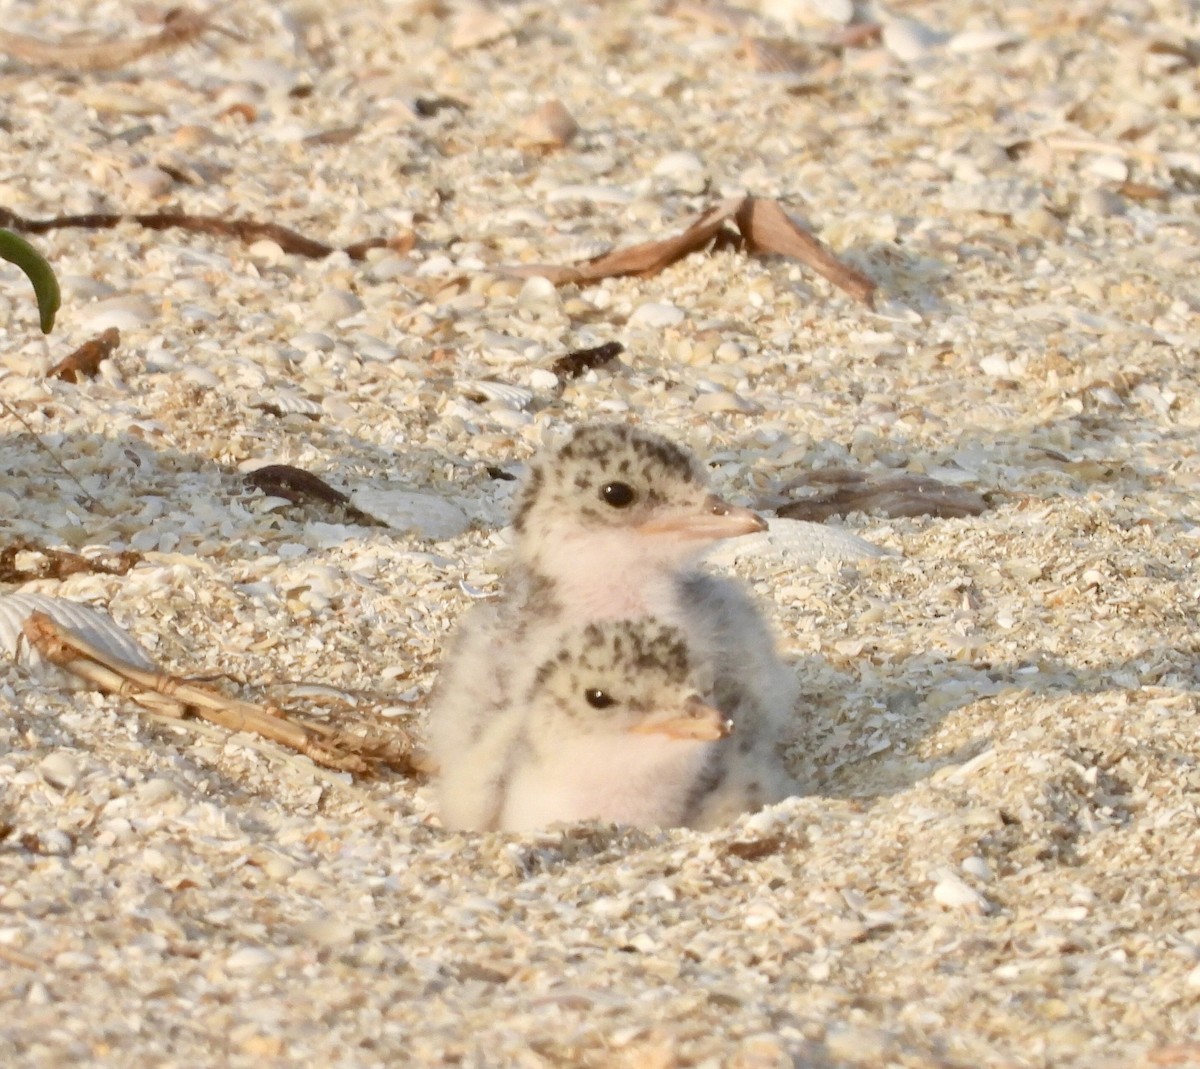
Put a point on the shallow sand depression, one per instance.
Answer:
(997, 862)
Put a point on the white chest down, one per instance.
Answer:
(643, 781)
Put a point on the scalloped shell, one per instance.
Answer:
(798, 541)
(90, 623)
(511, 396)
(289, 403)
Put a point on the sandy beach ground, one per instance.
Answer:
(998, 861)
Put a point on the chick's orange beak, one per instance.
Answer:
(715, 520)
(699, 722)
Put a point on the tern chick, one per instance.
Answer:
(614, 728)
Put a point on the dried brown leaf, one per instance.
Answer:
(765, 228)
(86, 359)
(900, 495)
(856, 35)
(302, 487)
(338, 135)
(646, 258)
(580, 361)
(295, 484)
(769, 229)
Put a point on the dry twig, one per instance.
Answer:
(247, 230)
(89, 501)
(59, 563)
(580, 361)
(173, 696)
(180, 27)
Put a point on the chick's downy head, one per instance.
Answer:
(618, 677)
(626, 494)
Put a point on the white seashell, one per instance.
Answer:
(983, 41)
(724, 401)
(977, 867)
(328, 931)
(94, 625)
(909, 40)
(288, 403)
(80, 288)
(314, 341)
(685, 172)
(543, 379)
(1100, 203)
(851, 1044)
(510, 418)
(149, 181)
(655, 314)
(996, 366)
(267, 73)
(537, 292)
(512, 396)
(954, 893)
(1112, 168)
(404, 510)
(493, 340)
(60, 770)
(128, 312)
(196, 315)
(333, 305)
(799, 542)
(199, 376)
(114, 101)
(802, 12)
(250, 960)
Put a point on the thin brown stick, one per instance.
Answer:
(180, 27)
(247, 230)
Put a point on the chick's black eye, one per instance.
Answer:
(619, 495)
(597, 699)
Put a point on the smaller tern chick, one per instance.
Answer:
(615, 728)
